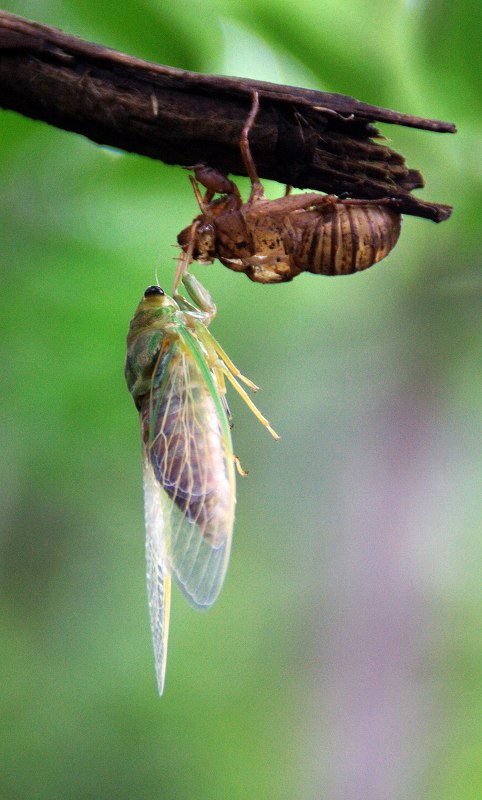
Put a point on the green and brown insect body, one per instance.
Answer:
(175, 372)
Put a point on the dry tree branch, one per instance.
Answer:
(308, 139)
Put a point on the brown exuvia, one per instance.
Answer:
(274, 240)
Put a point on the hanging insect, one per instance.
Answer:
(176, 371)
(275, 240)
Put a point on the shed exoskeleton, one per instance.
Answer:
(274, 240)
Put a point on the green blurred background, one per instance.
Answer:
(341, 660)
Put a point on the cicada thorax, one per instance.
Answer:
(341, 238)
(184, 442)
(258, 244)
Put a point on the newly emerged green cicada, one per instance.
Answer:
(175, 371)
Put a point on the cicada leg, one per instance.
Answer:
(257, 190)
(204, 309)
(241, 471)
(214, 181)
(199, 294)
(211, 344)
(218, 376)
(183, 261)
(257, 413)
(380, 201)
(222, 366)
(200, 200)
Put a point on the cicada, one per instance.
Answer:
(274, 240)
(176, 371)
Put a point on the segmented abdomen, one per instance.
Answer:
(342, 238)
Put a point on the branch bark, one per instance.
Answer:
(308, 139)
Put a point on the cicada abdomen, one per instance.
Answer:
(341, 238)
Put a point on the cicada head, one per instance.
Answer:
(155, 297)
(152, 320)
(154, 310)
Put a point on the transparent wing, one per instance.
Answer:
(157, 570)
(189, 454)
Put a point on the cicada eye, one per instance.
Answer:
(153, 290)
(205, 240)
(206, 230)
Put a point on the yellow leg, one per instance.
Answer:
(241, 471)
(250, 403)
(221, 387)
(210, 343)
(233, 368)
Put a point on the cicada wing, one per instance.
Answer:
(188, 446)
(199, 566)
(157, 569)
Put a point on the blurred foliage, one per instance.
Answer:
(341, 660)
